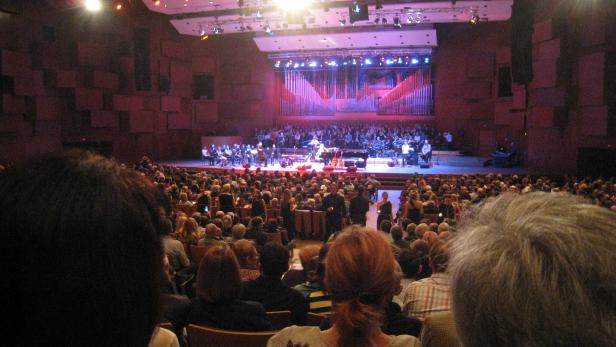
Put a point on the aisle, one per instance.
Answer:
(394, 197)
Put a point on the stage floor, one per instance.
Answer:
(374, 166)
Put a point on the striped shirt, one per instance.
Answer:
(320, 302)
(427, 296)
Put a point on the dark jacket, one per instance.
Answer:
(274, 295)
(236, 315)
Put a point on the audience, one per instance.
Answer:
(360, 276)
(432, 294)
(219, 289)
(269, 289)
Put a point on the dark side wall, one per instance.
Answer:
(69, 77)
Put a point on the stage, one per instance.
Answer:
(377, 166)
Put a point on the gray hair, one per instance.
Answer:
(535, 270)
(238, 231)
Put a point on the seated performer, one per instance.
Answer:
(205, 156)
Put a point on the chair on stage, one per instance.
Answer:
(201, 336)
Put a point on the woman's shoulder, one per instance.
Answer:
(298, 336)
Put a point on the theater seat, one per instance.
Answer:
(280, 319)
(200, 336)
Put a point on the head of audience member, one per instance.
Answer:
(420, 246)
(227, 221)
(211, 231)
(439, 256)
(396, 232)
(411, 263)
(306, 254)
(385, 226)
(218, 277)
(75, 219)
(430, 237)
(443, 227)
(541, 267)
(238, 231)
(421, 229)
(360, 277)
(274, 260)
(246, 254)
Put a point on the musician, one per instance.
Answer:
(406, 149)
(426, 151)
(205, 155)
(261, 157)
(213, 154)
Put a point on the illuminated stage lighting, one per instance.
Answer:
(368, 61)
(156, 2)
(426, 60)
(294, 5)
(474, 19)
(119, 6)
(414, 61)
(93, 5)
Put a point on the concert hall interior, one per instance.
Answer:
(162, 77)
(308, 173)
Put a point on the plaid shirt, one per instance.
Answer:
(427, 296)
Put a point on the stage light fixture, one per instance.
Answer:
(293, 5)
(93, 5)
(397, 22)
(217, 30)
(414, 61)
(268, 29)
(474, 19)
(368, 61)
(427, 60)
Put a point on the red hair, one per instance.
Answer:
(360, 277)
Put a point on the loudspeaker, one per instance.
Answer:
(143, 81)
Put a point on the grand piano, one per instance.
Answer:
(351, 157)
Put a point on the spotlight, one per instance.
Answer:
(156, 2)
(268, 29)
(119, 6)
(414, 61)
(93, 5)
(294, 5)
(397, 22)
(368, 61)
(427, 60)
(474, 19)
(379, 5)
